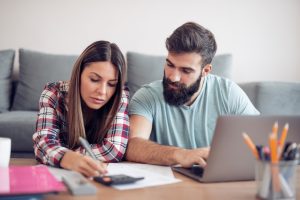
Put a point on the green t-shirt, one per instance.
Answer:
(190, 126)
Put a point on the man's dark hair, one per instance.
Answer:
(193, 38)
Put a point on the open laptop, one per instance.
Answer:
(230, 159)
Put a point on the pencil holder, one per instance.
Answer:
(276, 181)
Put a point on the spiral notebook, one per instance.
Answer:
(24, 180)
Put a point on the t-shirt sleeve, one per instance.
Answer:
(142, 104)
(239, 102)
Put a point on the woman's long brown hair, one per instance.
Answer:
(101, 122)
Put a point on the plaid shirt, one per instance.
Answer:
(51, 128)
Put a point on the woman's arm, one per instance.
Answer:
(114, 144)
(48, 148)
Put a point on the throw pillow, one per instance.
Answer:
(36, 69)
(6, 66)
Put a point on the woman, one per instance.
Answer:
(92, 105)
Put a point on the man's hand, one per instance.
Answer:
(83, 164)
(190, 157)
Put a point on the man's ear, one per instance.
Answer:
(206, 69)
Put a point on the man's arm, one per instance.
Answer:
(140, 149)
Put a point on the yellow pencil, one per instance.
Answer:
(275, 128)
(282, 139)
(274, 162)
(273, 148)
(251, 145)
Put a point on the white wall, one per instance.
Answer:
(262, 35)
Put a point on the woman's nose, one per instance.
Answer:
(101, 89)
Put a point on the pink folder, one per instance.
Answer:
(17, 180)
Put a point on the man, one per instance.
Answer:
(182, 109)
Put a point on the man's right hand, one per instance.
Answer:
(83, 164)
(190, 157)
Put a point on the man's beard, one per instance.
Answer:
(182, 94)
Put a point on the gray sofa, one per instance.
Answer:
(19, 98)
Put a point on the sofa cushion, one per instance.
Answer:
(281, 98)
(19, 126)
(36, 69)
(143, 69)
(251, 90)
(6, 66)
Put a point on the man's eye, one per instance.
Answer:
(186, 71)
(170, 65)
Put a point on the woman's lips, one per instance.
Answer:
(97, 100)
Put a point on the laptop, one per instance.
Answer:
(230, 159)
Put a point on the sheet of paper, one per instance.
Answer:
(162, 170)
(153, 175)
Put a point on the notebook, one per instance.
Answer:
(230, 159)
(24, 180)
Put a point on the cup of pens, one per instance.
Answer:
(276, 181)
(276, 166)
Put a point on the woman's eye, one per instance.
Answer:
(94, 80)
(112, 84)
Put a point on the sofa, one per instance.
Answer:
(19, 96)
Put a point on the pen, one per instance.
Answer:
(259, 149)
(266, 152)
(87, 147)
(291, 151)
(251, 145)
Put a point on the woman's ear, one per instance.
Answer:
(206, 69)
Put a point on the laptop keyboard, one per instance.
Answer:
(197, 170)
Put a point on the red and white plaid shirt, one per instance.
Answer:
(51, 128)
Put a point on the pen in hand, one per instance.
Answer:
(87, 147)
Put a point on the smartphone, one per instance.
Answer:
(116, 179)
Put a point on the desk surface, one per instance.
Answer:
(187, 189)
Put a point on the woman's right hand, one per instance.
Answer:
(83, 164)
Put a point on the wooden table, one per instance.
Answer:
(187, 189)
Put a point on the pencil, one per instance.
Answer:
(282, 139)
(275, 128)
(274, 162)
(251, 145)
(273, 148)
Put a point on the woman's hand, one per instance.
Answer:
(83, 164)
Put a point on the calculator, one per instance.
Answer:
(116, 179)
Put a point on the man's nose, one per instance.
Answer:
(175, 76)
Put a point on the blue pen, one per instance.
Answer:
(87, 147)
(260, 152)
(266, 152)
